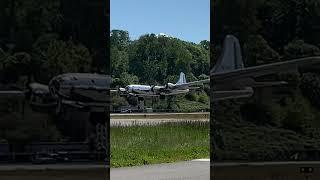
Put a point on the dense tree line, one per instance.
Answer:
(154, 59)
(39, 40)
(272, 31)
(157, 60)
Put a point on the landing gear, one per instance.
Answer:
(140, 99)
(101, 137)
(59, 108)
(162, 97)
(99, 134)
(132, 100)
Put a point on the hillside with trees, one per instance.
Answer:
(155, 60)
(39, 40)
(269, 127)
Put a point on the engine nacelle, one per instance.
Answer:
(40, 98)
(170, 86)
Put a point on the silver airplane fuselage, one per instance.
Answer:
(151, 90)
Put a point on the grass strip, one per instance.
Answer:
(163, 143)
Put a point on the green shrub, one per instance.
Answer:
(192, 97)
(293, 121)
(203, 98)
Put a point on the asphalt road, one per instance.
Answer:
(189, 170)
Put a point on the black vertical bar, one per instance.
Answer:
(212, 139)
(107, 34)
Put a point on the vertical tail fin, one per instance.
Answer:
(231, 57)
(182, 79)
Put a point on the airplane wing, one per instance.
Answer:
(230, 73)
(12, 94)
(232, 94)
(245, 77)
(143, 95)
(187, 85)
(198, 82)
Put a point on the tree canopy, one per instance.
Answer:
(156, 59)
(39, 40)
(269, 31)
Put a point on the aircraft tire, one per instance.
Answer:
(59, 108)
(162, 97)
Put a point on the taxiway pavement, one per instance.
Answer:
(188, 170)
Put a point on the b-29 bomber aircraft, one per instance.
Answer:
(170, 89)
(79, 90)
(71, 92)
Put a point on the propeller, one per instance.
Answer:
(14, 92)
(152, 88)
(121, 91)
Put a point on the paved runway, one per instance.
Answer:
(189, 170)
(158, 114)
(266, 170)
(155, 118)
(270, 163)
(131, 122)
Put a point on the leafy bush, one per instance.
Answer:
(298, 114)
(203, 98)
(299, 49)
(310, 88)
(192, 97)
(256, 113)
(191, 106)
(117, 101)
(257, 51)
(293, 121)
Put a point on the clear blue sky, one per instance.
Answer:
(185, 19)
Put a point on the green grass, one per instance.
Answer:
(165, 143)
(252, 140)
(245, 141)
